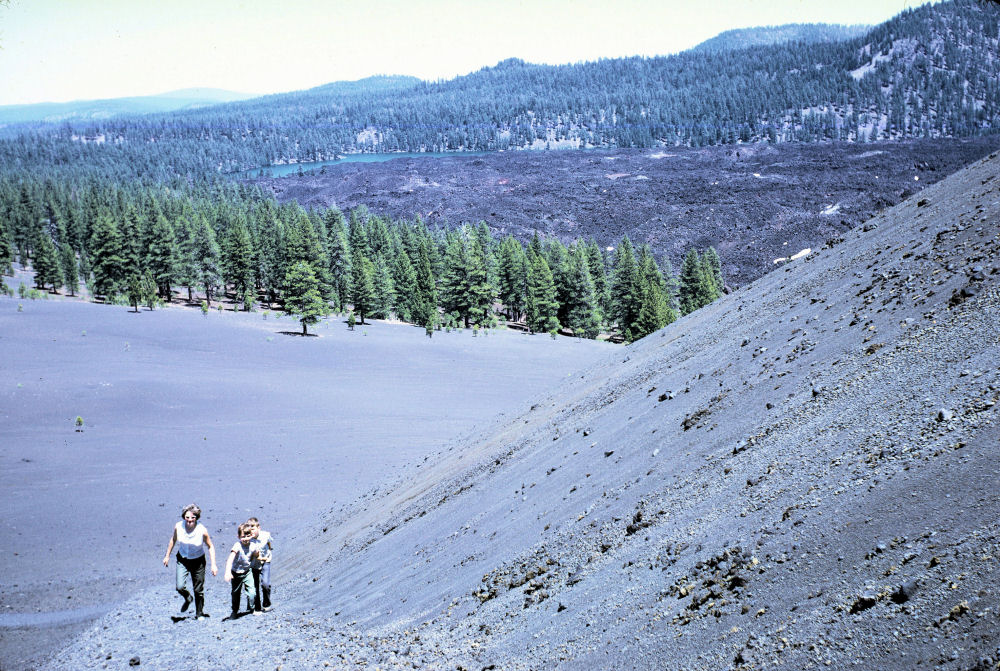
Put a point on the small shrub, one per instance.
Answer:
(475, 331)
(84, 332)
(204, 308)
(20, 307)
(21, 291)
(553, 333)
(79, 424)
(266, 312)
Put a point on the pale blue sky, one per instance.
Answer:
(59, 50)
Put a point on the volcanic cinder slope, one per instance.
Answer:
(800, 475)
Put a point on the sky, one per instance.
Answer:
(61, 50)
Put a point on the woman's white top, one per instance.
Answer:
(190, 545)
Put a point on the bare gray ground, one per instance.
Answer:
(801, 475)
(222, 410)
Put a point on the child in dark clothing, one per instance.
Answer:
(261, 568)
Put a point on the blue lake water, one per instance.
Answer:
(293, 168)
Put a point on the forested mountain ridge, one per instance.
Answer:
(929, 72)
(742, 38)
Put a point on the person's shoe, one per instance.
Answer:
(201, 616)
(187, 603)
(258, 612)
(266, 609)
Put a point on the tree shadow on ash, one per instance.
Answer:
(299, 333)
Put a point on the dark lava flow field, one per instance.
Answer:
(754, 203)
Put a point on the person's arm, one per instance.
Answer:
(211, 553)
(229, 565)
(170, 546)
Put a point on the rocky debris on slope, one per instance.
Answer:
(832, 504)
(755, 204)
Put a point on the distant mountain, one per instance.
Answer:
(808, 33)
(929, 72)
(83, 110)
(369, 85)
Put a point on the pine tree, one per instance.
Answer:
(482, 291)
(426, 299)
(362, 286)
(149, 289)
(134, 291)
(383, 294)
(26, 215)
(696, 284)
(133, 231)
(513, 277)
(302, 295)
(713, 268)
(557, 256)
(238, 258)
(6, 251)
(272, 263)
(626, 288)
(404, 280)
(161, 255)
(67, 262)
(581, 312)
(655, 311)
(358, 235)
(105, 257)
(187, 260)
(541, 305)
(302, 243)
(46, 262)
(207, 257)
(456, 287)
(599, 276)
(340, 258)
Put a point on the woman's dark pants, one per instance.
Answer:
(196, 569)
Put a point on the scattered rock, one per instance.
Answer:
(864, 602)
(904, 591)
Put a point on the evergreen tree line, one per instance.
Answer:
(142, 243)
(932, 71)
